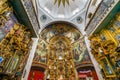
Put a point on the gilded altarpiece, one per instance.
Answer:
(15, 44)
(105, 46)
(14, 50)
(61, 47)
(7, 18)
(60, 63)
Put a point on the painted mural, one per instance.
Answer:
(7, 22)
(80, 52)
(61, 29)
(41, 51)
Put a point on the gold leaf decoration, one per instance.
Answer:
(64, 2)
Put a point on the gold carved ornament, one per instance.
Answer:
(4, 6)
(109, 46)
(56, 66)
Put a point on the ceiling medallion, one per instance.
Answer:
(64, 2)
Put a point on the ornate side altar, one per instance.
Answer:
(15, 44)
(105, 47)
(14, 50)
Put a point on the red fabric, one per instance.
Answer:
(84, 75)
(95, 75)
(88, 74)
(36, 75)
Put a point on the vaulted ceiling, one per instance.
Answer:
(62, 8)
(72, 11)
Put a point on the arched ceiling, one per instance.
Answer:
(57, 36)
(61, 29)
(62, 8)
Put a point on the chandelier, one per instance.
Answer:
(64, 2)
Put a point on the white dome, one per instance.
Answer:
(62, 8)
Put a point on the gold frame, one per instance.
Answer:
(104, 68)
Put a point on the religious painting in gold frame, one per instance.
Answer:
(41, 52)
(107, 68)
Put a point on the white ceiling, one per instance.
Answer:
(48, 12)
(62, 11)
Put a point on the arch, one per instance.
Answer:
(57, 21)
(61, 28)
